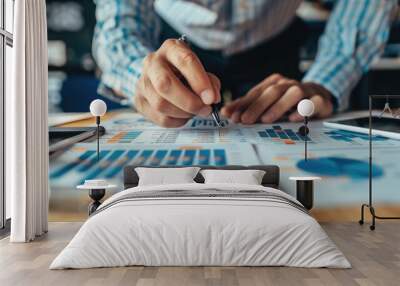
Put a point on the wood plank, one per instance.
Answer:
(375, 257)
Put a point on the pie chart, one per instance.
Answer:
(337, 166)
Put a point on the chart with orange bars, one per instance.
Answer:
(175, 136)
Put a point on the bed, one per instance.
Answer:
(201, 224)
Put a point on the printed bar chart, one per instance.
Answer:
(88, 164)
(188, 157)
(84, 165)
(120, 164)
(320, 138)
(124, 137)
(68, 167)
(285, 136)
(172, 159)
(349, 136)
(220, 157)
(206, 122)
(102, 166)
(158, 157)
(204, 157)
(143, 157)
(174, 136)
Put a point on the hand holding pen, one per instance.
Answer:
(161, 94)
(214, 111)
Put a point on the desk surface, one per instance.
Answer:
(339, 158)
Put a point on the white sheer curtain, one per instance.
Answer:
(26, 119)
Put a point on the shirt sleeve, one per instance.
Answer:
(354, 36)
(125, 32)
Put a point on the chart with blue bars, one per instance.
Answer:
(81, 162)
(127, 121)
(284, 135)
(350, 136)
(136, 130)
(175, 136)
(319, 138)
(206, 122)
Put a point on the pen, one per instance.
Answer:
(214, 113)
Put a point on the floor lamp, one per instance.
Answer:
(370, 202)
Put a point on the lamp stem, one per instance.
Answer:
(305, 137)
(98, 137)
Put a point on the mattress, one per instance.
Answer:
(201, 225)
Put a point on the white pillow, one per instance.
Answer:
(247, 177)
(166, 176)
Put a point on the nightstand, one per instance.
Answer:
(305, 190)
(97, 190)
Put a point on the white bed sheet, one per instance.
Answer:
(200, 231)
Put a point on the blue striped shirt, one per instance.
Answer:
(127, 30)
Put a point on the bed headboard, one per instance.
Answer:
(271, 177)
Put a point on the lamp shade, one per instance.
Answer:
(305, 108)
(98, 107)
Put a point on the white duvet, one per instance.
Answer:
(200, 231)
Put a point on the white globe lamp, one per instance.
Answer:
(98, 108)
(306, 109)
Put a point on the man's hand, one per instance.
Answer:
(174, 86)
(274, 97)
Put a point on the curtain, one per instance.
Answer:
(26, 124)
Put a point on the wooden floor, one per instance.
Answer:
(375, 257)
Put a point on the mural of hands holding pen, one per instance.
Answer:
(175, 87)
(249, 49)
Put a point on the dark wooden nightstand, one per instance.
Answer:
(305, 190)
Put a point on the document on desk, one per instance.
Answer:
(340, 157)
(128, 121)
(136, 130)
(286, 135)
(174, 136)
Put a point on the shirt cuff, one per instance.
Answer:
(108, 93)
(119, 84)
(339, 78)
(338, 103)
